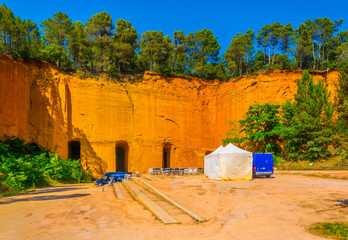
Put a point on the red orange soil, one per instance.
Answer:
(276, 208)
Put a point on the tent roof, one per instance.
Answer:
(217, 151)
(231, 149)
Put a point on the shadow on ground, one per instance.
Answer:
(42, 198)
(56, 189)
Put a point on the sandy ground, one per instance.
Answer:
(266, 208)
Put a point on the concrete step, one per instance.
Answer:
(148, 203)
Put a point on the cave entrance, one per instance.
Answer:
(166, 155)
(121, 153)
(74, 150)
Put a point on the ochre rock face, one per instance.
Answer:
(157, 116)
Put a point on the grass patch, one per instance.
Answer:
(318, 175)
(337, 230)
(328, 176)
(330, 164)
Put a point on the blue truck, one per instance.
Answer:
(263, 164)
(111, 176)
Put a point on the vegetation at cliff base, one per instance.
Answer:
(24, 166)
(310, 128)
(103, 45)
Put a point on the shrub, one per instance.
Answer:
(21, 166)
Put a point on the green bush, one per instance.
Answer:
(21, 166)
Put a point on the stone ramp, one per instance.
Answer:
(144, 183)
(121, 192)
(148, 203)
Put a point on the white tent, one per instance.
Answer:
(210, 164)
(229, 163)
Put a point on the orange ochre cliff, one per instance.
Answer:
(155, 122)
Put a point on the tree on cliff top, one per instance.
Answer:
(123, 45)
(179, 52)
(203, 48)
(57, 29)
(100, 27)
(240, 51)
(18, 38)
(155, 49)
(79, 47)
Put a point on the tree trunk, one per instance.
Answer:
(174, 60)
(269, 56)
(319, 59)
(240, 67)
(248, 64)
(340, 56)
(313, 58)
(151, 63)
(274, 52)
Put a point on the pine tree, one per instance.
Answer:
(100, 27)
(57, 30)
(341, 100)
(123, 46)
(180, 45)
(79, 47)
(156, 50)
(240, 52)
(203, 48)
(313, 112)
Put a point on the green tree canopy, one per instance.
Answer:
(155, 48)
(203, 48)
(260, 128)
(100, 27)
(123, 46)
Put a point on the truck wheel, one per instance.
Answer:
(99, 185)
(268, 176)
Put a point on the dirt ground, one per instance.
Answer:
(281, 207)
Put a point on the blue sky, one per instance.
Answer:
(224, 18)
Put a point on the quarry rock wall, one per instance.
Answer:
(156, 118)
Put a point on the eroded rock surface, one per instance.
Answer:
(188, 117)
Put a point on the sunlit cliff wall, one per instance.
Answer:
(42, 105)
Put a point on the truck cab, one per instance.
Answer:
(263, 164)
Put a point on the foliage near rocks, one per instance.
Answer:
(300, 130)
(22, 166)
